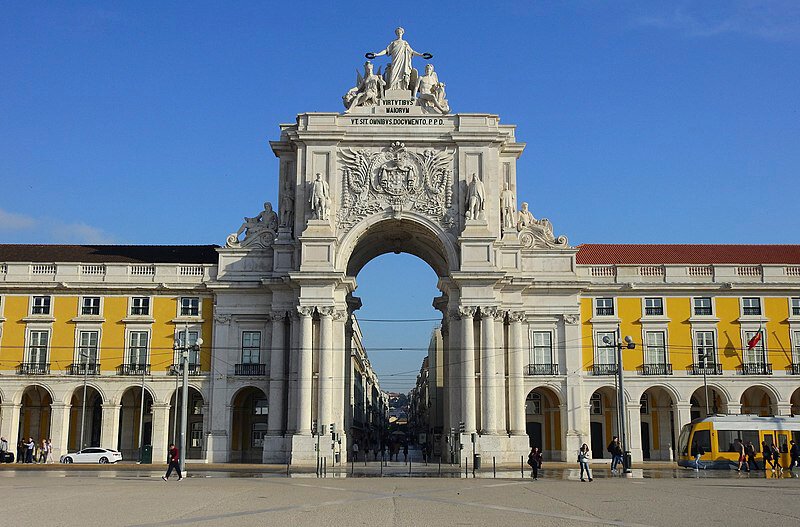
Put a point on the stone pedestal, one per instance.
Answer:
(217, 449)
(277, 449)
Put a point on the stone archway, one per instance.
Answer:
(657, 418)
(133, 423)
(717, 402)
(195, 427)
(795, 400)
(543, 421)
(90, 422)
(603, 420)
(758, 400)
(249, 409)
(35, 412)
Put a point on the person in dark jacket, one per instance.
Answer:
(174, 462)
(766, 451)
(794, 454)
(535, 462)
(697, 452)
(750, 451)
(776, 458)
(615, 449)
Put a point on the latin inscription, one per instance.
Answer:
(398, 121)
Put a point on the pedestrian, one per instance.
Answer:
(174, 462)
(766, 451)
(29, 446)
(3, 444)
(5, 455)
(739, 448)
(794, 454)
(615, 449)
(750, 451)
(405, 452)
(21, 449)
(535, 462)
(43, 452)
(776, 457)
(355, 451)
(697, 451)
(583, 461)
(50, 458)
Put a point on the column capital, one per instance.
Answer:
(339, 314)
(464, 312)
(516, 316)
(222, 319)
(326, 311)
(305, 311)
(277, 315)
(571, 318)
(60, 406)
(488, 312)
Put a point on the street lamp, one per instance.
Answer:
(84, 355)
(185, 390)
(702, 357)
(629, 344)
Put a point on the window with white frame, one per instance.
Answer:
(41, 305)
(90, 305)
(534, 403)
(87, 347)
(606, 345)
(260, 407)
(37, 346)
(259, 431)
(542, 352)
(796, 348)
(702, 306)
(137, 348)
(596, 403)
(654, 306)
(190, 306)
(644, 404)
(795, 306)
(196, 435)
(604, 306)
(756, 355)
(751, 306)
(194, 354)
(140, 306)
(705, 351)
(251, 347)
(655, 350)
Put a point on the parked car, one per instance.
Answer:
(92, 455)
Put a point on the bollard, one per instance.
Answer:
(287, 469)
(521, 467)
(440, 466)
(381, 467)
(466, 467)
(325, 467)
(409, 466)
(352, 466)
(494, 468)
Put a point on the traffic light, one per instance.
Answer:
(462, 427)
(314, 427)
(333, 432)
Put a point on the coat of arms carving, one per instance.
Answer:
(398, 179)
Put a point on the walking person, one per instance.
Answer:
(739, 448)
(615, 449)
(776, 457)
(794, 454)
(21, 449)
(4, 453)
(583, 461)
(535, 462)
(50, 458)
(355, 451)
(43, 452)
(405, 453)
(174, 462)
(766, 452)
(750, 451)
(697, 452)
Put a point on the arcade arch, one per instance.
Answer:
(758, 400)
(603, 423)
(35, 412)
(195, 430)
(129, 418)
(717, 402)
(658, 433)
(543, 421)
(91, 422)
(249, 410)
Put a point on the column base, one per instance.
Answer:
(277, 449)
(303, 451)
(572, 443)
(217, 450)
(502, 447)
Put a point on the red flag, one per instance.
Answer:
(753, 342)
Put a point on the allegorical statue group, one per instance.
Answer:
(371, 87)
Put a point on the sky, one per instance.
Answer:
(645, 122)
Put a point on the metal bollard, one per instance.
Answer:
(352, 466)
(287, 468)
(466, 467)
(381, 467)
(409, 466)
(494, 468)
(325, 467)
(440, 466)
(521, 467)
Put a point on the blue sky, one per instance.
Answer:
(149, 122)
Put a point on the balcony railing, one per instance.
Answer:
(794, 369)
(654, 311)
(605, 311)
(751, 310)
(656, 369)
(702, 311)
(81, 368)
(250, 369)
(133, 369)
(706, 369)
(542, 369)
(175, 369)
(33, 368)
(604, 369)
(756, 368)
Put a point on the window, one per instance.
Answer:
(704, 348)
(655, 351)
(703, 439)
(644, 405)
(604, 306)
(702, 306)
(137, 350)
(194, 354)
(190, 306)
(90, 305)
(251, 347)
(796, 306)
(596, 404)
(37, 352)
(751, 306)
(534, 403)
(606, 344)
(755, 355)
(260, 407)
(140, 305)
(259, 431)
(87, 347)
(725, 439)
(41, 305)
(796, 348)
(542, 352)
(196, 435)
(653, 306)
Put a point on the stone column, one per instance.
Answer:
(500, 354)
(634, 432)
(516, 371)
(488, 377)
(291, 369)
(681, 415)
(783, 408)
(9, 426)
(161, 432)
(453, 368)
(109, 429)
(578, 430)
(59, 428)
(305, 372)
(224, 353)
(325, 383)
(468, 409)
(341, 360)
(277, 376)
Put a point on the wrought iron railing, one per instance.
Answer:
(656, 369)
(542, 369)
(81, 368)
(795, 369)
(250, 369)
(756, 368)
(654, 311)
(133, 369)
(33, 368)
(706, 369)
(175, 369)
(604, 369)
(605, 311)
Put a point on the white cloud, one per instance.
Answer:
(10, 221)
(78, 233)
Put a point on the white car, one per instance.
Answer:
(93, 455)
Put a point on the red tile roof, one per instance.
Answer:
(191, 254)
(652, 254)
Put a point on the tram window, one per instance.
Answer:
(703, 439)
(751, 435)
(725, 440)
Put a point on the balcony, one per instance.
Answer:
(133, 369)
(175, 369)
(656, 369)
(33, 368)
(604, 369)
(756, 368)
(706, 369)
(654, 311)
(604, 311)
(82, 368)
(794, 369)
(542, 369)
(250, 369)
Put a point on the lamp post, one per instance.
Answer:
(141, 413)
(629, 344)
(84, 355)
(701, 356)
(185, 390)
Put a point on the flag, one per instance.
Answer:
(753, 342)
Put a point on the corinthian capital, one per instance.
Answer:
(516, 316)
(466, 311)
(488, 312)
(305, 311)
(339, 314)
(326, 311)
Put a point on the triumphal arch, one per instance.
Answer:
(395, 171)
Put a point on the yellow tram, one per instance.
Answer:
(716, 435)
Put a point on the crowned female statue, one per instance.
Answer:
(398, 73)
